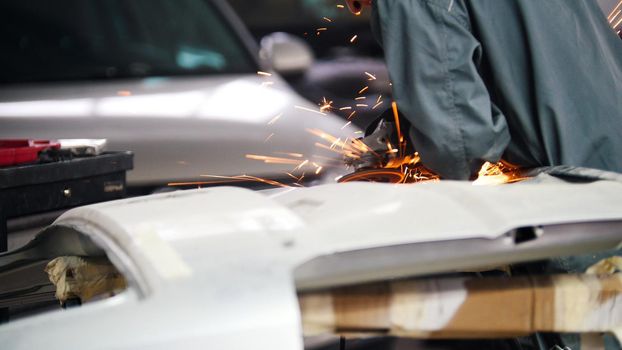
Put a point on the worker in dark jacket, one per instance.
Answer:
(537, 83)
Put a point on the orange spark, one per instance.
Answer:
(342, 152)
(295, 155)
(497, 174)
(265, 74)
(274, 120)
(309, 110)
(302, 164)
(354, 39)
(274, 160)
(325, 105)
(351, 147)
(292, 176)
(266, 181)
(362, 147)
(371, 76)
(377, 105)
(363, 90)
(397, 121)
(323, 146)
(615, 9)
(124, 93)
(228, 179)
(202, 183)
(390, 146)
(268, 138)
(325, 158)
(336, 142)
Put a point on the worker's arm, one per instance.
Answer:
(432, 58)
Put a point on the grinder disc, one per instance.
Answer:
(375, 175)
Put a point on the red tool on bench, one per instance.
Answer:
(15, 152)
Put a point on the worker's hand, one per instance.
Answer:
(356, 6)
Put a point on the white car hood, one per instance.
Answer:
(221, 267)
(179, 128)
(306, 223)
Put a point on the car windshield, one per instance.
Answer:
(44, 40)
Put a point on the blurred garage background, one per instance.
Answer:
(340, 63)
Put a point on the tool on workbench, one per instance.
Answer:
(14, 152)
(17, 152)
(41, 176)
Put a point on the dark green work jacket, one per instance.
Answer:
(536, 82)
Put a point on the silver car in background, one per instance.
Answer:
(175, 82)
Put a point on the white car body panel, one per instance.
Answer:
(217, 267)
(178, 128)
